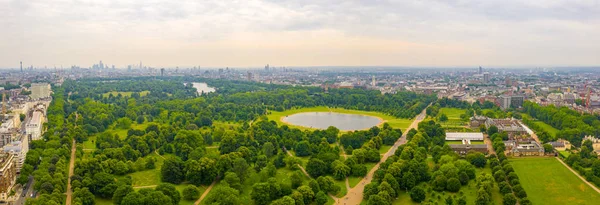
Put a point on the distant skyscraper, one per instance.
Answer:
(141, 65)
(486, 77)
(267, 67)
(100, 65)
(21, 66)
(480, 70)
(162, 72)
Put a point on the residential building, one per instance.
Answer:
(503, 101)
(517, 101)
(527, 149)
(34, 127)
(8, 175)
(40, 90)
(19, 150)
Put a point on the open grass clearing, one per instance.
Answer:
(547, 181)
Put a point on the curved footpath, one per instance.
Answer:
(355, 195)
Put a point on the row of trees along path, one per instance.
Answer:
(355, 195)
(71, 166)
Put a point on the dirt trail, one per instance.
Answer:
(71, 170)
(355, 195)
(206, 192)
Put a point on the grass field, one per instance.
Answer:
(452, 113)
(547, 181)
(546, 127)
(124, 94)
(392, 121)
(353, 181)
(565, 153)
(148, 177)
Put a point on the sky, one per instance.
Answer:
(252, 33)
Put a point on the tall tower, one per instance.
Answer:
(141, 65)
(162, 71)
(480, 70)
(21, 66)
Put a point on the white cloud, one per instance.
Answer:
(495, 32)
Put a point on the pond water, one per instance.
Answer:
(203, 87)
(322, 120)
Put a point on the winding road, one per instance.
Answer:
(355, 195)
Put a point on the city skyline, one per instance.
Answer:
(301, 33)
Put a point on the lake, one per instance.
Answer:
(203, 88)
(322, 120)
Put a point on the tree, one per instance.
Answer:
(307, 194)
(84, 194)
(240, 167)
(170, 191)
(233, 180)
(261, 193)
(302, 149)
(453, 185)
(417, 194)
(483, 198)
(223, 195)
(269, 149)
(133, 198)
(190, 192)
(492, 130)
(316, 167)
(157, 198)
(321, 198)
(296, 179)
(172, 170)
(121, 192)
(477, 158)
(509, 199)
(443, 118)
(548, 148)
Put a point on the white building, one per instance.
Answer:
(465, 137)
(19, 150)
(7, 132)
(40, 90)
(34, 127)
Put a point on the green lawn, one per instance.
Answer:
(148, 177)
(453, 142)
(124, 94)
(392, 121)
(565, 153)
(384, 149)
(353, 181)
(546, 127)
(452, 113)
(547, 181)
(123, 132)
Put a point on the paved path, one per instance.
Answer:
(142, 187)
(577, 174)
(530, 132)
(71, 170)
(355, 195)
(206, 192)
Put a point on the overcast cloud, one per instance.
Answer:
(300, 32)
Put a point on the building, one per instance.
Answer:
(8, 131)
(517, 101)
(464, 136)
(504, 101)
(40, 90)
(34, 127)
(477, 121)
(527, 149)
(510, 126)
(8, 175)
(463, 149)
(19, 150)
(486, 78)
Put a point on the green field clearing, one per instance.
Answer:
(384, 149)
(546, 127)
(124, 94)
(148, 177)
(452, 113)
(547, 181)
(565, 153)
(402, 124)
(353, 181)
(453, 142)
